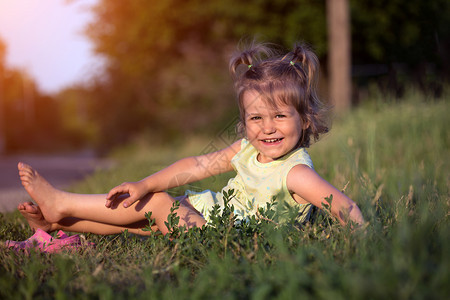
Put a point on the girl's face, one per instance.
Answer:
(274, 132)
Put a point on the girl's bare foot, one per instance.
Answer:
(42, 192)
(32, 213)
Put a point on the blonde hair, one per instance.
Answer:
(290, 79)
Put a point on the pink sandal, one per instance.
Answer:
(44, 242)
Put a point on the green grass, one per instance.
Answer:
(393, 158)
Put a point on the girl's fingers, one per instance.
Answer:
(108, 203)
(128, 202)
(111, 197)
(111, 194)
(118, 190)
(124, 188)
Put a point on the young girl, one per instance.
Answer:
(279, 113)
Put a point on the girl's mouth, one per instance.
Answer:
(272, 141)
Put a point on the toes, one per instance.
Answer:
(25, 169)
(25, 205)
(28, 208)
(25, 181)
(26, 175)
(31, 208)
(26, 172)
(22, 165)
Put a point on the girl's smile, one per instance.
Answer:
(273, 131)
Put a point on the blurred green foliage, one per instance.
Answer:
(397, 31)
(167, 60)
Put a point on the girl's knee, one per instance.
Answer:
(161, 198)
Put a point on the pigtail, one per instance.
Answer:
(307, 62)
(248, 58)
(241, 58)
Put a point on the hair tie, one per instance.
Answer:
(249, 66)
(292, 63)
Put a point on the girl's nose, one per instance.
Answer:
(268, 127)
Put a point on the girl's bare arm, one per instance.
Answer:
(307, 184)
(184, 171)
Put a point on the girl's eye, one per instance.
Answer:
(255, 118)
(280, 116)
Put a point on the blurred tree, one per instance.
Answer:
(408, 36)
(166, 60)
(75, 121)
(162, 28)
(2, 126)
(283, 22)
(339, 61)
(29, 120)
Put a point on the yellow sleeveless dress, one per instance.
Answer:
(255, 184)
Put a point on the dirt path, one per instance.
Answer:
(60, 170)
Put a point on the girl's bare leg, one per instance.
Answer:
(56, 205)
(32, 213)
(77, 225)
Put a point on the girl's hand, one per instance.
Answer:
(134, 190)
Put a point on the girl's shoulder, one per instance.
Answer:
(240, 145)
(299, 156)
(243, 142)
(233, 149)
(243, 149)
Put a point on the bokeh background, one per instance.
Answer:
(164, 73)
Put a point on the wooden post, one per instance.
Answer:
(339, 64)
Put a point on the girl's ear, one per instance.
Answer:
(240, 128)
(305, 124)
